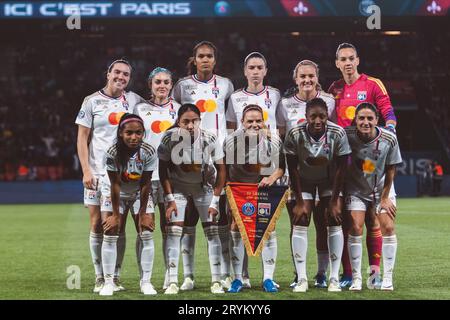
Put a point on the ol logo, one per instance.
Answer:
(248, 209)
(362, 95)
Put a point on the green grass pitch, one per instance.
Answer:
(39, 243)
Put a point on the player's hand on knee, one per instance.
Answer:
(146, 222)
(171, 208)
(335, 211)
(386, 206)
(111, 224)
(300, 213)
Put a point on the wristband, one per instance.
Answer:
(390, 127)
(169, 197)
(215, 202)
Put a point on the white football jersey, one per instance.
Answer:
(292, 110)
(268, 99)
(209, 97)
(365, 175)
(250, 162)
(190, 163)
(102, 114)
(317, 157)
(157, 119)
(130, 177)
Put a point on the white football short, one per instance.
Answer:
(355, 203)
(92, 197)
(127, 204)
(202, 200)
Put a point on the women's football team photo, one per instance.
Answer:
(175, 152)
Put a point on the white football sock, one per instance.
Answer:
(355, 253)
(188, 251)
(214, 250)
(109, 256)
(147, 256)
(300, 248)
(238, 254)
(269, 256)
(164, 252)
(225, 263)
(389, 254)
(95, 244)
(139, 254)
(121, 244)
(335, 247)
(173, 251)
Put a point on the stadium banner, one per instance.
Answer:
(218, 9)
(255, 211)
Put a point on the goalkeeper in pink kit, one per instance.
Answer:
(348, 92)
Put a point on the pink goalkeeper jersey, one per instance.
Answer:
(365, 89)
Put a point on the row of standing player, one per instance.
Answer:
(209, 93)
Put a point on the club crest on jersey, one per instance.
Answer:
(268, 102)
(376, 154)
(125, 104)
(81, 114)
(362, 95)
(326, 148)
(215, 91)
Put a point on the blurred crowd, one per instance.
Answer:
(46, 81)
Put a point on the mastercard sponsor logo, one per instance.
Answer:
(368, 166)
(206, 105)
(265, 115)
(132, 176)
(160, 126)
(301, 120)
(347, 113)
(114, 118)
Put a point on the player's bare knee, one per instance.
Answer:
(388, 228)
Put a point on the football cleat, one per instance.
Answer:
(172, 289)
(294, 282)
(320, 281)
(188, 284)
(334, 286)
(269, 286)
(226, 284)
(301, 286)
(107, 290)
(147, 288)
(374, 282)
(117, 285)
(387, 285)
(236, 286)
(217, 288)
(99, 282)
(356, 285)
(346, 281)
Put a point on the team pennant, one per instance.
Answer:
(256, 211)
